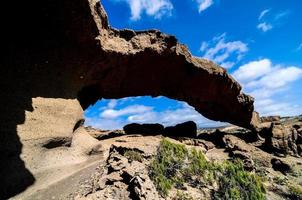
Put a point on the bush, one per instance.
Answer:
(175, 165)
(133, 155)
(280, 180)
(182, 196)
(295, 191)
(236, 183)
(168, 162)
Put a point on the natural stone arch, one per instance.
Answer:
(152, 63)
(55, 49)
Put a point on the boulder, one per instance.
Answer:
(83, 143)
(247, 152)
(186, 129)
(144, 129)
(281, 139)
(279, 165)
(233, 143)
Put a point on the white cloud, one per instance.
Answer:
(264, 26)
(154, 8)
(273, 107)
(204, 4)
(272, 21)
(171, 117)
(253, 70)
(204, 46)
(220, 51)
(104, 124)
(279, 77)
(281, 15)
(133, 109)
(117, 118)
(263, 13)
(112, 103)
(268, 83)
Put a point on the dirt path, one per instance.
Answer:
(58, 183)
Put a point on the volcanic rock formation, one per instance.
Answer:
(61, 56)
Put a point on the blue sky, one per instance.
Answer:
(258, 42)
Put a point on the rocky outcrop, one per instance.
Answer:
(61, 56)
(186, 129)
(282, 139)
(144, 129)
(120, 178)
(247, 152)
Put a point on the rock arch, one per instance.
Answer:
(59, 51)
(152, 63)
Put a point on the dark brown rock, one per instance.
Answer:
(281, 139)
(278, 140)
(234, 143)
(186, 129)
(144, 129)
(279, 165)
(248, 153)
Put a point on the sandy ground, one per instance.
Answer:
(60, 180)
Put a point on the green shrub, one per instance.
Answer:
(280, 180)
(165, 167)
(236, 183)
(133, 155)
(182, 196)
(295, 171)
(295, 191)
(262, 173)
(175, 165)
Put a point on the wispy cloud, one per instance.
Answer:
(263, 13)
(282, 14)
(225, 53)
(299, 48)
(153, 8)
(268, 20)
(264, 81)
(264, 26)
(204, 4)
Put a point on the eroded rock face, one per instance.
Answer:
(62, 56)
(283, 139)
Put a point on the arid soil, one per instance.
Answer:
(109, 173)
